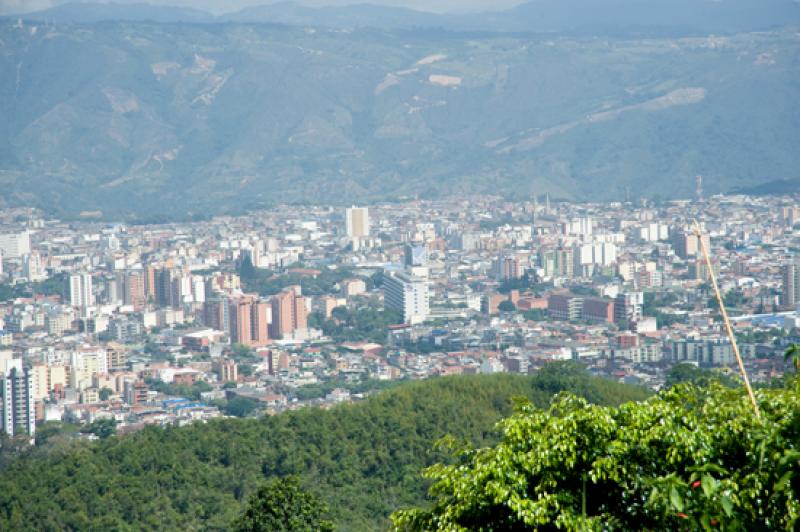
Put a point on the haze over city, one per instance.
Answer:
(406, 265)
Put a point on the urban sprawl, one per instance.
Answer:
(252, 315)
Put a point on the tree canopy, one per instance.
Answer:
(363, 459)
(691, 458)
(283, 506)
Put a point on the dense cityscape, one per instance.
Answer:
(110, 327)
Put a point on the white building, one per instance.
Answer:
(580, 226)
(33, 269)
(409, 295)
(16, 387)
(86, 363)
(80, 290)
(15, 245)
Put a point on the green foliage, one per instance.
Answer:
(689, 459)
(522, 283)
(267, 283)
(283, 506)
(102, 428)
(682, 373)
(552, 136)
(240, 407)
(105, 393)
(362, 324)
(362, 458)
(536, 314)
(793, 355)
(314, 391)
(49, 287)
(242, 353)
(192, 391)
(247, 271)
(506, 306)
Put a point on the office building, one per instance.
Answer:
(415, 255)
(407, 294)
(15, 245)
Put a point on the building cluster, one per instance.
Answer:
(170, 323)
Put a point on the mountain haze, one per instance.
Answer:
(140, 118)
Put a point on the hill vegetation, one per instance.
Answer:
(149, 120)
(363, 460)
(691, 458)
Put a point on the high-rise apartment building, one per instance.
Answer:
(16, 387)
(150, 282)
(688, 244)
(216, 314)
(580, 226)
(357, 222)
(408, 294)
(249, 321)
(508, 267)
(134, 290)
(628, 307)
(79, 290)
(790, 284)
(559, 262)
(163, 287)
(288, 314)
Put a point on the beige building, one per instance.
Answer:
(357, 222)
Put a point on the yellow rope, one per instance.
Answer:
(724, 312)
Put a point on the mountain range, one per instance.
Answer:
(143, 111)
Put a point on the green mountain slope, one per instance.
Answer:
(140, 118)
(364, 459)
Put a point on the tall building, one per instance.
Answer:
(688, 245)
(628, 307)
(790, 289)
(357, 222)
(163, 287)
(408, 294)
(15, 245)
(16, 387)
(249, 321)
(150, 282)
(288, 314)
(580, 226)
(134, 290)
(559, 262)
(216, 314)
(79, 290)
(415, 255)
(32, 266)
(508, 267)
(86, 363)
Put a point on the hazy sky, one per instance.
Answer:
(223, 6)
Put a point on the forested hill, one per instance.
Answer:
(364, 460)
(142, 119)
